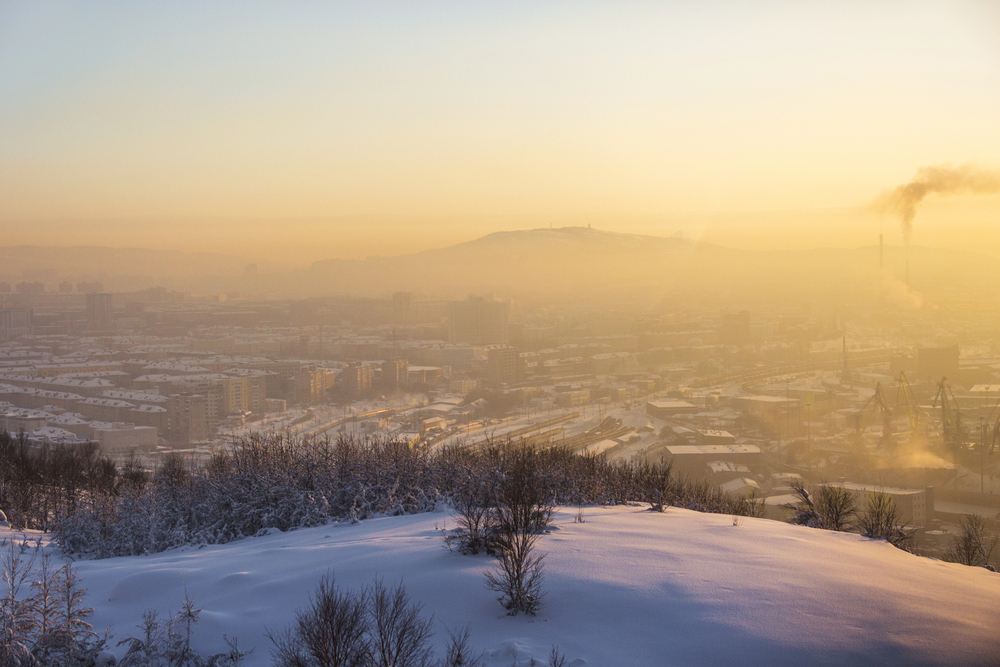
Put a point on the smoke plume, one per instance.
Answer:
(895, 292)
(944, 180)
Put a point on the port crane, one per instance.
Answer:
(952, 429)
(906, 398)
(988, 443)
(872, 409)
(990, 434)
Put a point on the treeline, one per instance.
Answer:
(834, 508)
(265, 482)
(41, 486)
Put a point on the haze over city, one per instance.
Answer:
(499, 334)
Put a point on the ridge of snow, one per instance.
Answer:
(626, 587)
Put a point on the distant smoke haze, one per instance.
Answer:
(944, 180)
(895, 292)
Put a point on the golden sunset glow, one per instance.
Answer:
(344, 130)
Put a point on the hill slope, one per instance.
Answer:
(627, 587)
(593, 263)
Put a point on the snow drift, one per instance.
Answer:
(626, 587)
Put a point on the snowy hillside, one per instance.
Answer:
(626, 587)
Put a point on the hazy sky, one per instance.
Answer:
(352, 128)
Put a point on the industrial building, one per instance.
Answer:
(916, 506)
(693, 460)
(666, 409)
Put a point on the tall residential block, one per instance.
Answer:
(503, 365)
(479, 321)
(100, 314)
(402, 308)
(356, 379)
(395, 373)
(310, 386)
(15, 322)
(187, 421)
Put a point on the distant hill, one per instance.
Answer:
(541, 261)
(570, 262)
(601, 264)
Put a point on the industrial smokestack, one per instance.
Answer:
(904, 199)
(881, 266)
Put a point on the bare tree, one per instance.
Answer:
(399, 635)
(459, 653)
(804, 512)
(973, 545)
(522, 510)
(835, 507)
(557, 659)
(473, 501)
(882, 520)
(659, 483)
(331, 632)
(18, 622)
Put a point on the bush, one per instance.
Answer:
(835, 506)
(376, 627)
(973, 545)
(473, 501)
(170, 644)
(832, 509)
(521, 511)
(399, 635)
(49, 627)
(459, 653)
(263, 482)
(332, 632)
(881, 520)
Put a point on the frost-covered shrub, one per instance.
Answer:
(373, 627)
(266, 482)
(261, 483)
(43, 621)
(521, 510)
(169, 644)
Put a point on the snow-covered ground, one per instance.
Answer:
(626, 587)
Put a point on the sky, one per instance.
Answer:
(340, 129)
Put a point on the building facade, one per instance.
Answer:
(100, 316)
(479, 321)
